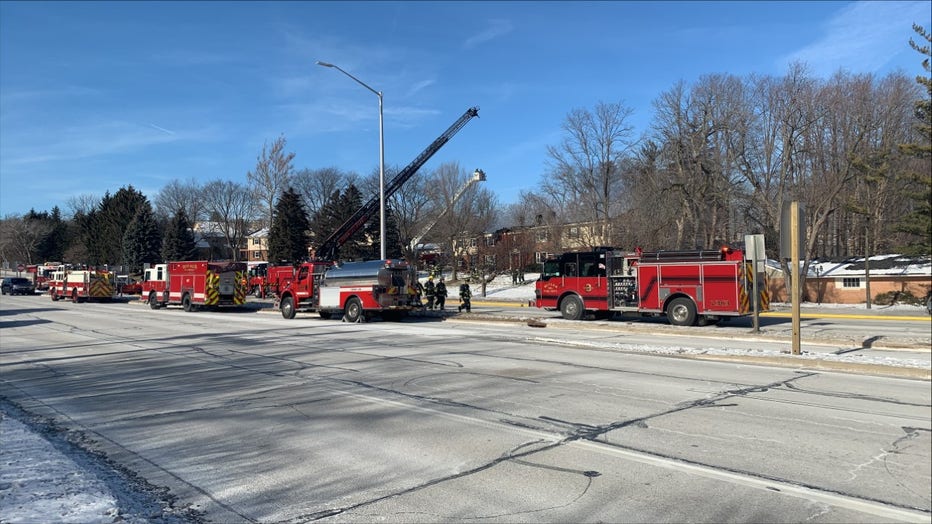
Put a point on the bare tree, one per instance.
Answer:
(19, 238)
(82, 204)
(271, 176)
(651, 218)
(585, 177)
(411, 205)
(180, 195)
(316, 185)
(694, 128)
(467, 218)
(229, 206)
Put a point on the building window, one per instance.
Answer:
(542, 235)
(256, 255)
(574, 232)
(490, 241)
(850, 282)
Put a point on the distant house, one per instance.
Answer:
(257, 246)
(209, 241)
(846, 281)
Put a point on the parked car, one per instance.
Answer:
(17, 286)
(126, 285)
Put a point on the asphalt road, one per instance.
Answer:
(252, 418)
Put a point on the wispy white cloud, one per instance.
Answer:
(162, 129)
(418, 86)
(863, 37)
(90, 140)
(15, 96)
(496, 28)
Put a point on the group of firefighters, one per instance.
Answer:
(436, 295)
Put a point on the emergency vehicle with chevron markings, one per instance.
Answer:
(81, 285)
(688, 287)
(195, 284)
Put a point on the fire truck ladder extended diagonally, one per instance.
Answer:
(329, 248)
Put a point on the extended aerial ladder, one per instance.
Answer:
(330, 246)
(477, 176)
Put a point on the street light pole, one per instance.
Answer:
(381, 158)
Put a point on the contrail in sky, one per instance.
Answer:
(162, 129)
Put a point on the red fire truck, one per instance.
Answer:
(689, 287)
(355, 290)
(81, 284)
(265, 280)
(42, 274)
(195, 284)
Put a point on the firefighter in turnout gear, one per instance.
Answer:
(441, 291)
(429, 291)
(418, 293)
(465, 298)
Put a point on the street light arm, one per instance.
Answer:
(382, 233)
(360, 82)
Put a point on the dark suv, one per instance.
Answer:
(17, 286)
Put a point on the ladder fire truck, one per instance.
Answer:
(81, 284)
(689, 287)
(195, 284)
(360, 289)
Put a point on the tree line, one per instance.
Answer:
(722, 157)
(725, 154)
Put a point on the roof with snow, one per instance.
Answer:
(891, 265)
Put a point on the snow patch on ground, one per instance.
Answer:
(46, 477)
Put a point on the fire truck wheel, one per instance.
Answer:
(353, 310)
(288, 307)
(54, 296)
(571, 308)
(186, 303)
(153, 300)
(74, 296)
(681, 312)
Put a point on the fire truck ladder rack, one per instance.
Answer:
(685, 256)
(331, 245)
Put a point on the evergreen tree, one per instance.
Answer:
(48, 232)
(393, 247)
(141, 241)
(918, 222)
(326, 220)
(101, 230)
(359, 245)
(115, 219)
(89, 243)
(53, 246)
(178, 242)
(290, 225)
(339, 208)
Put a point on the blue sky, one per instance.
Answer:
(98, 95)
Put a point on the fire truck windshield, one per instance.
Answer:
(551, 269)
